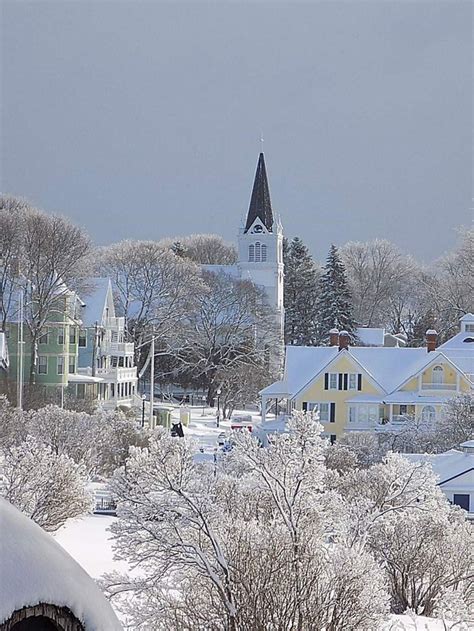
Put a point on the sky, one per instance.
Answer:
(142, 120)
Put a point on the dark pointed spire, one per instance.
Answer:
(260, 203)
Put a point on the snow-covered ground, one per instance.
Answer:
(88, 540)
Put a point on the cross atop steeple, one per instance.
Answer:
(260, 203)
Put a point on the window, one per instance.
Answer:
(403, 409)
(114, 336)
(352, 414)
(72, 364)
(258, 252)
(83, 339)
(322, 408)
(251, 253)
(60, 365)
(114, 360)
(42, 365)
(368, 413)
(120, 362)
(342, 381)
(438, 374)
(428, 413)
(43, 339)
(462, 500)
(264, 252)
(72, 335)
(81, 391)
(469, 328)
(61, 336)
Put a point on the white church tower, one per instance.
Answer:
(261, 244)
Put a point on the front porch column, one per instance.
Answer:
(390, 412)
(264, 408)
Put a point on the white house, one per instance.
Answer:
(104, 354)
(455, 471)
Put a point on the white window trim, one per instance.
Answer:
(315, 406)
(41, 365)
(336, 376)
(57, 365)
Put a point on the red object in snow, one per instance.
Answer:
(240, 426)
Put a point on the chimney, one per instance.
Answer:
(344, 340)
(431, 338)
(334, 337)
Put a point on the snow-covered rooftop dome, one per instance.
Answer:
(36, 570)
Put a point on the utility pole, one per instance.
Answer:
(152, 379)
(20, 352)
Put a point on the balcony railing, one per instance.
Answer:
(118, 348)
(438, 386)
(382, 424)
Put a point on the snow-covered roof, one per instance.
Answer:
(277, 389)
(388, 367)
(302, 363)
(370, 336)
(36, 569)
(96, 301)
(446, 466)
(468, 317)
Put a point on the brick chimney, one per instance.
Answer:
(344, 340)
(431, 339)
(334, 337)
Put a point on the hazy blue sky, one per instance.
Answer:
(142, 119)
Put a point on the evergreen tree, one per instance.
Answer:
(300, 294)
(335, 303)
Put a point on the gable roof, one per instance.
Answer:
(260, 203)
(447, 466)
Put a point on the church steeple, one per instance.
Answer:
(260, 203)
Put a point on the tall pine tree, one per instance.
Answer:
(335, 303)
(300, 294)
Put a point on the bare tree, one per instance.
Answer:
(154, 287)
(240, 545)
(204, 249)
(379, 275)
(232, 327)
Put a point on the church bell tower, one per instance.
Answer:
(261, 244)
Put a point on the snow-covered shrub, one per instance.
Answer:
(397, 511)
(47, 487)
(245, 545)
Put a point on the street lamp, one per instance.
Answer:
(143, 409)
(203, 405)
(218, 418)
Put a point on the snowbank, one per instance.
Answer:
(35, 569)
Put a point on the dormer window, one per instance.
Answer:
(469, 328)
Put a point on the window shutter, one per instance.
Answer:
(326, 380)
(340, 381)
(305, 406)
(345, 381)
(332, 417)
(359, 382)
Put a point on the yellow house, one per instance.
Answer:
(373, 388)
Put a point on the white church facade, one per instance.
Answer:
(260, 247)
